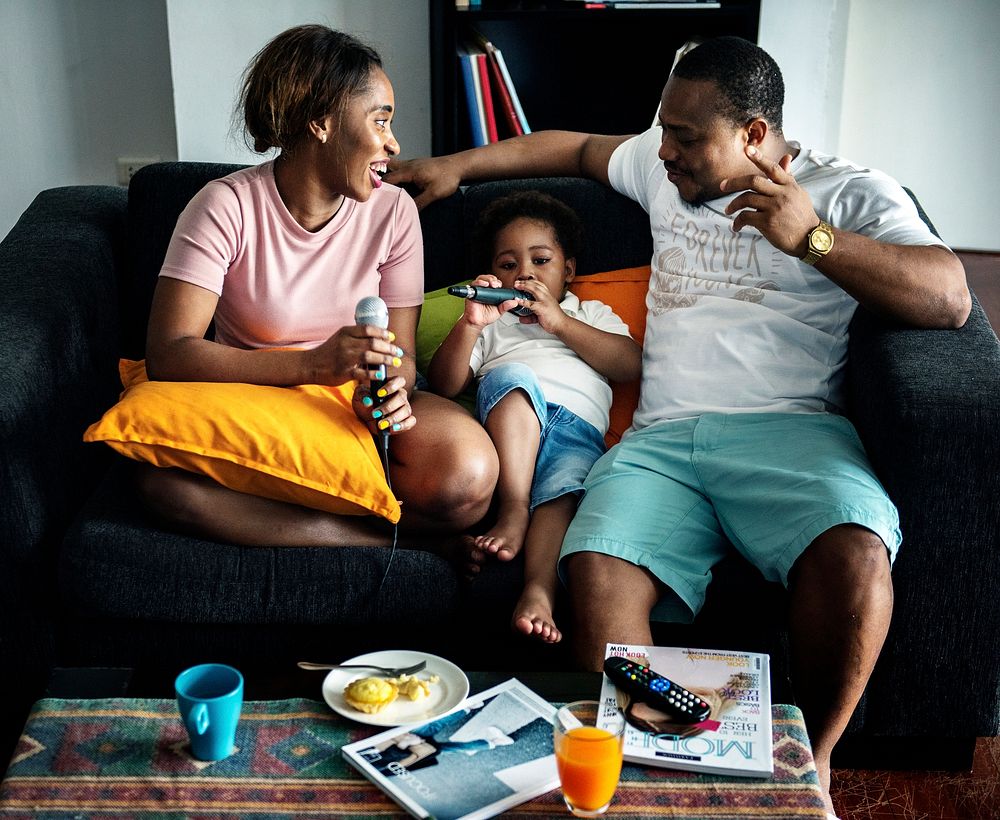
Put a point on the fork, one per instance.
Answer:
(391, 672)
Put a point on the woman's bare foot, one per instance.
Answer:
(506, 537)
(533, 617)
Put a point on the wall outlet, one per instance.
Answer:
(127, 166)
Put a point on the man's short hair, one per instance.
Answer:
(747, 77)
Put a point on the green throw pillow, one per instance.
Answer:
(437, 318)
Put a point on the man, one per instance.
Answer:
(762, 251)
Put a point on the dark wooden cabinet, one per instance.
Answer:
(596, 70)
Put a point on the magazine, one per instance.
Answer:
(494, 751)
(735, 739)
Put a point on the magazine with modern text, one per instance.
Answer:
(491, 753)
(735, 739)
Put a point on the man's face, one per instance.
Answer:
(699, 148)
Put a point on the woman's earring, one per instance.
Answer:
(322, 139)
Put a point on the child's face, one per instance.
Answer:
(527, 249)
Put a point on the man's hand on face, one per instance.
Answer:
(773, 203)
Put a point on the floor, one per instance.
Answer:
(883, 795)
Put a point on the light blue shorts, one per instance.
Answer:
(568, 446)
(672, 497)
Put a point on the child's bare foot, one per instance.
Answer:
(506, 537)
(533, 617)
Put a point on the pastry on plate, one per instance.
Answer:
(370, 695)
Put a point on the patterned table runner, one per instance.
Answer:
(117, 758)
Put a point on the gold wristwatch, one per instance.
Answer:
(820, 243)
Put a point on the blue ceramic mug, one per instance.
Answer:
(210, 698)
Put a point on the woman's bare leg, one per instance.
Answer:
(197, 505)
(443, 471)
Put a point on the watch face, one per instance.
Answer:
(821, 240)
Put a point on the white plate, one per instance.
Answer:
(450, 690)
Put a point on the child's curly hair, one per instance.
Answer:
(533, 205)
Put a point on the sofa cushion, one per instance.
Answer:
(300, 444)
(116, 562)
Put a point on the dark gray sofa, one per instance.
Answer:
(88, 579)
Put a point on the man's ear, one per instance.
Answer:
(757, 130)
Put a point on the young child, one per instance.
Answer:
(543, 391)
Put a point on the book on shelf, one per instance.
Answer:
(493, 752)
(648, 4)
(735, 739)
(663, 4)
(683, 49)
(488, 111)
(510, 103)
(473, 96)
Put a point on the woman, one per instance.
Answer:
(278, 256)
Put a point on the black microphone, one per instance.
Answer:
(492, 296)
(371, 310)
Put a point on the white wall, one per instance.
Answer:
(922, 103)
(211, 44)
(908, 86)
(82, 82)
(807, 39)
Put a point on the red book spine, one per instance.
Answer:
(491, 119)
(506, 103)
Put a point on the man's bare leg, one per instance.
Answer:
(611, 600)
(841, 605)
(533, 612)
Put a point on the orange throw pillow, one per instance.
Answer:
(624, 291)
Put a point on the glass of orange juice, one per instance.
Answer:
(589, 758)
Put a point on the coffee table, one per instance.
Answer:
(125, 756)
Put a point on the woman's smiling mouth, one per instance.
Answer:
(377, 170)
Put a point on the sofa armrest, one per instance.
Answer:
(926, 404)
(59, 338)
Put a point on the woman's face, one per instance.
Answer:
(363, 143)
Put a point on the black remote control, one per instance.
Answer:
(659, 692)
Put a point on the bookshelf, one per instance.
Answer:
(595, 70)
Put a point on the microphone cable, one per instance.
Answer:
(395, 527)
(372, 310)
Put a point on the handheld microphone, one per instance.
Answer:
(492, 296)
(371, 310)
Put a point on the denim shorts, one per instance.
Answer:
(568, 446)
(673, 496)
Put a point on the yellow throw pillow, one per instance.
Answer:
(299, 444)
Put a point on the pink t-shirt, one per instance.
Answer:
(280, 285)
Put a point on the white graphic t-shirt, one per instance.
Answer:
(734, 325)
